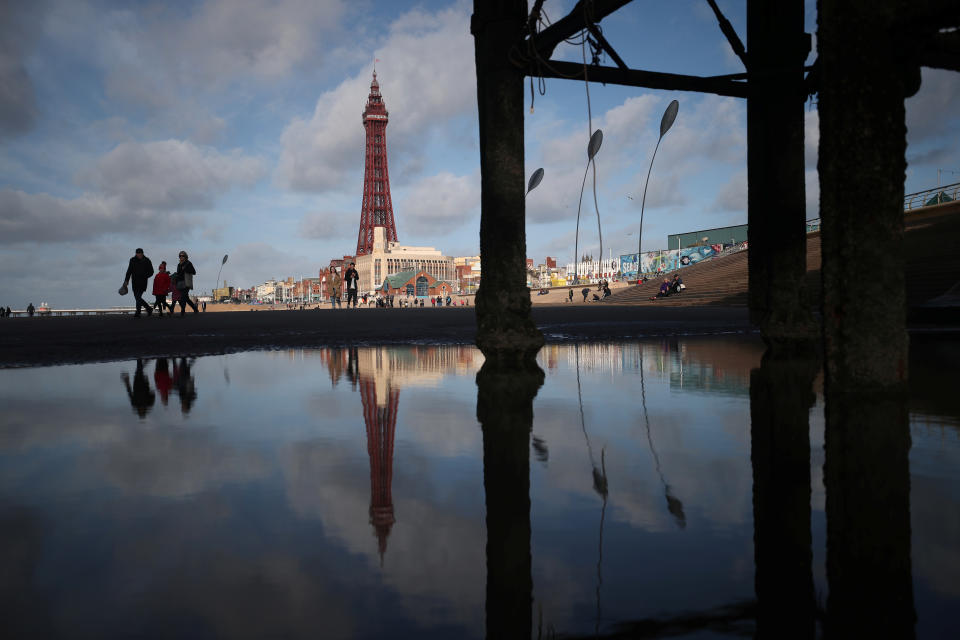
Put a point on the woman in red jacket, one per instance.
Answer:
(161, 284)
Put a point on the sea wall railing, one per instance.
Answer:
(931, 197)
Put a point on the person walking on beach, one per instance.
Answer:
(585, 291)
(30, 309)
(184, 282)
(570, 295)
(351, 280)
(333, 288)
(161, 285)
(139, 271)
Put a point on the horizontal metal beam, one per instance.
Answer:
(637, 78)
(572, 23)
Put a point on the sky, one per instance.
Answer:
(233, 127)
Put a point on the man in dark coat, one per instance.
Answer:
(351, 279)
(138, 272)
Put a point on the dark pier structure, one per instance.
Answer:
(868, 61)
(869, 56)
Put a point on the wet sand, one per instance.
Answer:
(43, 341)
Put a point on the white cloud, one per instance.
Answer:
(18, 108)
(170, 174)
(441, 202)
(28, 217)
(426, 79)
(733, 195)
(327, 225)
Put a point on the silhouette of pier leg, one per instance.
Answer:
(505, 329)
(867, 476)
(776, 201)
(781, 394)
(863, 81)
(505, 411)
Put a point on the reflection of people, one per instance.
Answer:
(162, 380)
(139, 270)
(140, 394)
(183, 381)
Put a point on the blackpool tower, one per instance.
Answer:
(377, 208)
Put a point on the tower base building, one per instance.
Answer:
(388, 258)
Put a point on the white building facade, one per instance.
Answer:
(388, 258)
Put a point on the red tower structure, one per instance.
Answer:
(381, 424)
(377, 207)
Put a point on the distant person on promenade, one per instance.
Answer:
(333, 288)
(585, 291)
(351, 280)
(184, 282)
(570, 295)
(9, 312)
(161, 286)
(30, 309)
(139, 270)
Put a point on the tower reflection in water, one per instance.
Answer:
(866, 477)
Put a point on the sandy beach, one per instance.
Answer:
(42, 341)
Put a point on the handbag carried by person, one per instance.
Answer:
(185, 281)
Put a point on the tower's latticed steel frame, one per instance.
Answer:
(381, 422)
(377, 207)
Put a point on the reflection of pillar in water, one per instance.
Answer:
(381, 421)
(505, 411)
(781, 394)
(867, 476)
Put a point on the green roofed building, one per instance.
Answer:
(416, 282)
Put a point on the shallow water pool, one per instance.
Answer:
(354, 493)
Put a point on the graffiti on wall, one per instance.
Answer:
(654, 262)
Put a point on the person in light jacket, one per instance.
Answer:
(184, 284)
(333, 288)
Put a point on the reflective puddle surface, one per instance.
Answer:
(640, 491)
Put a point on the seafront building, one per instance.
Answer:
(389, 258)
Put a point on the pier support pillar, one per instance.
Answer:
(506, 332)
(776, 200)
(863, 83)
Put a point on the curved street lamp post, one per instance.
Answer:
(665, 123)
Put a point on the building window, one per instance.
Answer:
(410, 289)
(423, 286)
